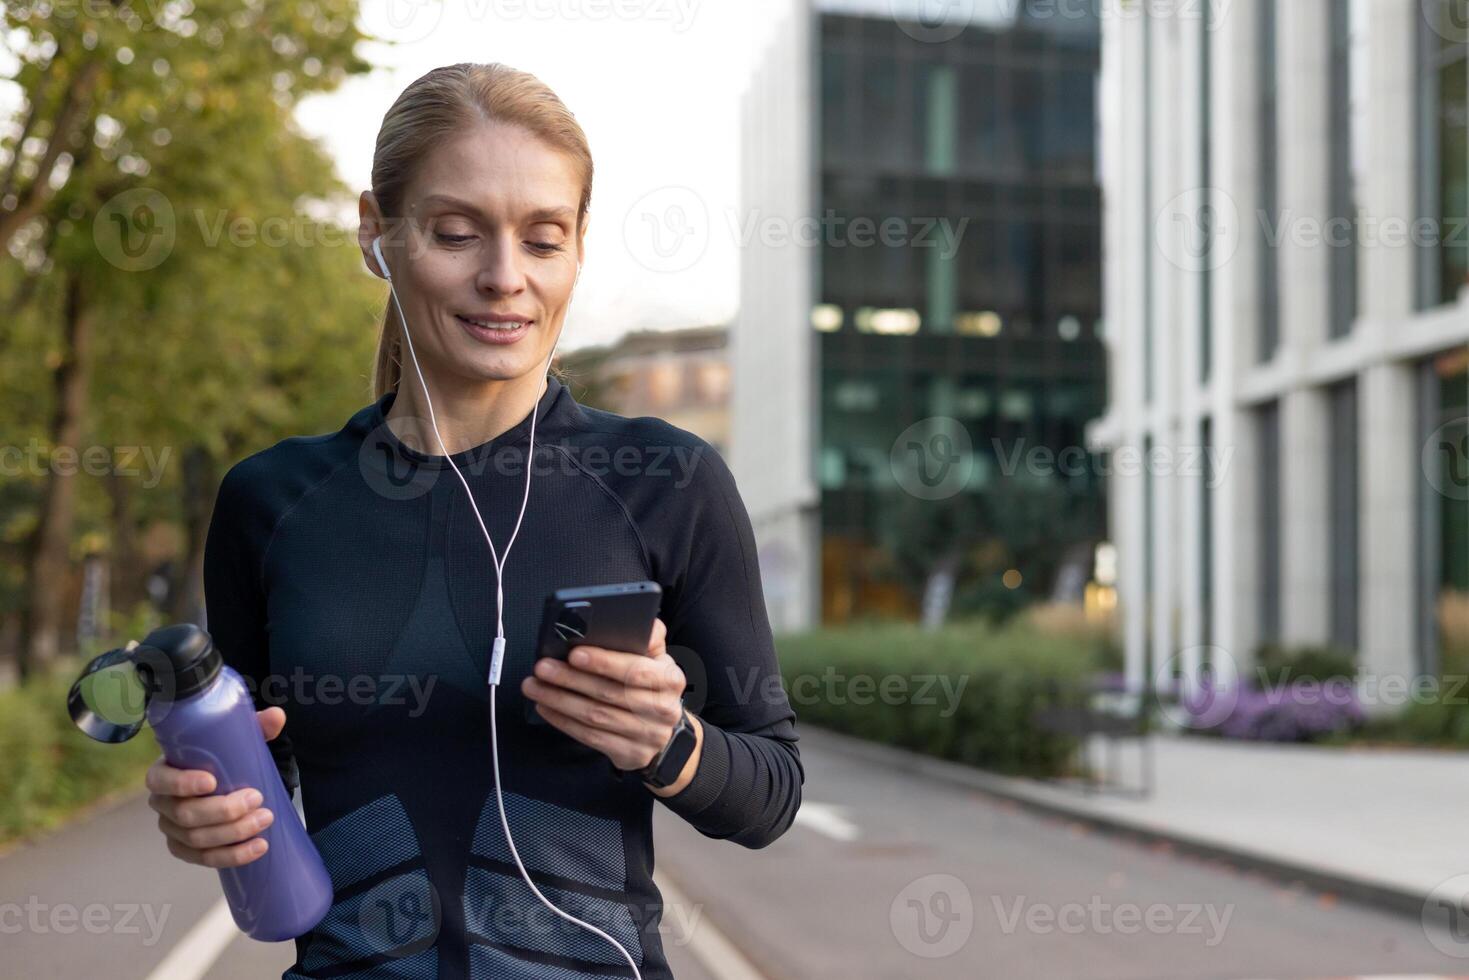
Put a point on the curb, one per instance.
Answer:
(1037, 797)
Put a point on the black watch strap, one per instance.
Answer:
(666, 767)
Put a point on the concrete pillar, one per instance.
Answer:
(1304, 57)
(1390, 476)
(1236, 286)
(1387, 192)
(1387, 395)
(1305, 553)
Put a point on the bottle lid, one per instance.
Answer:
(109, 701)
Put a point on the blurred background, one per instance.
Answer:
(1095, 374)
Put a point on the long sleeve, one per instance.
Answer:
(234, 599)
(747, 787)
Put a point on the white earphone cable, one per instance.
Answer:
(498, 655)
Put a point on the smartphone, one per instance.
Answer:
(614, 617)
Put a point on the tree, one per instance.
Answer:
(131, 131)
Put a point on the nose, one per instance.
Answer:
(501, 272)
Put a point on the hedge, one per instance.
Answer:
(47, 768)
(996, 681)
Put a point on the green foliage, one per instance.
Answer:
(48, 767)
(1277, 665)
(257, 323)
(996, 681)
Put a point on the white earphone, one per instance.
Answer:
(498, 655)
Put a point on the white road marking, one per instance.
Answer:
(828, 819)
(195, 955)
(708, 945)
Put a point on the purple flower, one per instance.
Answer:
(1296, 712)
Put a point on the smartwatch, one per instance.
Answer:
(668, 765)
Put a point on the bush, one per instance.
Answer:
(997, 679)
(1440, 722)
(1304, 710)
(1276, 665)
(47, 767)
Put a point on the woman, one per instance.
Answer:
(351, 577)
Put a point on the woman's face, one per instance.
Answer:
(491, 253)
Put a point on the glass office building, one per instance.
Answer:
(955, 281)
(982, 150)
(1287, 269)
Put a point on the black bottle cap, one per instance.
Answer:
(183, 651)
(109, 700)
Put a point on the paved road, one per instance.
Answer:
(102, 899)
(887, 875)
(1046, 897)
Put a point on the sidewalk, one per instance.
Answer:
(1379, 825)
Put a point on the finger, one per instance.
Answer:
(624, 753)
(165, 780)
(660, 638)
(204, 811)
(592, 712)
(631, 669)
(637, 700)
(220, 857)
(218, 835)
(272, 720)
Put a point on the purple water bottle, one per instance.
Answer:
(204, 718)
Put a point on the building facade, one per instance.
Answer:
(933, 285)
(680, 376)
(1287, 300)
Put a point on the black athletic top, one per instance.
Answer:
(347, 580)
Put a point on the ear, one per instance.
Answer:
(370, 225)
(581, 239)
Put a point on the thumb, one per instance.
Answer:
(272, 720)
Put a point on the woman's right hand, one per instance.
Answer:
(215, 831)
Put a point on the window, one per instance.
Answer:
(1206, 533)
(665, 384)
(881, 113)
(1444, 523)
(1444, 141)
(1348, 25)
(1069, 126)
(1149, 497)
(939, 98)
(1343, 514)
(835, 132)
(1206, 179)
(1268, 336)
(985, 150)
(939, 316)
(1147, 209)
(1267, 497)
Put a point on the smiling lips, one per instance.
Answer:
(495, 321)
(495, 328)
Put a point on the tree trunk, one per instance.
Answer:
(127, 575)
(46, 557)
(198, 485)
(65, 130)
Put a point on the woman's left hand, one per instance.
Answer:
(624, 705)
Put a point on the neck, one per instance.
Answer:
(469, 414)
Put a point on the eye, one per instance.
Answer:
(545, 247)
(454, 239)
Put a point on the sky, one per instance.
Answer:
(656, 86)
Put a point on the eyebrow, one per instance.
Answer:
(537, 215)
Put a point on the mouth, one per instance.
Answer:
(494, 331)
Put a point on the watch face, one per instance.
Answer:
(666, 771)
(677, 756)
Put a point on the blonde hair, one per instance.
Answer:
(439, 106)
